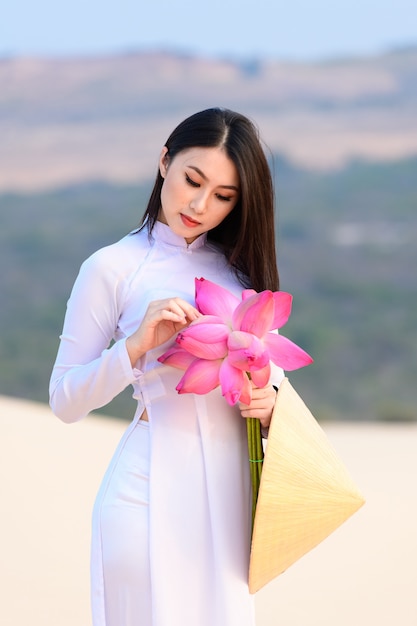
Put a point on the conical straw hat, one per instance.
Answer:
(305, 491)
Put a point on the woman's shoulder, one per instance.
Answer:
(121, 256)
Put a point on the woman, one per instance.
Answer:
(171, 523)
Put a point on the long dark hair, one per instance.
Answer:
(247, 235)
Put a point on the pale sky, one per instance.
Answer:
(283, 29)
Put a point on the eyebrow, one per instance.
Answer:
(197, 169)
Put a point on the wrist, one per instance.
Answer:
(133, 350)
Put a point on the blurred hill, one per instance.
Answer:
(70, 120)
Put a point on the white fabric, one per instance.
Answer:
(196, 527)
(122, 522)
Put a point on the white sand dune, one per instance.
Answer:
(364, 574)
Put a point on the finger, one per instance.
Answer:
(183, 309)
(259, 408)
(257, 403)
(255, 411)
(169, 310)
(158, 312)
(262, 415)
(262, 392)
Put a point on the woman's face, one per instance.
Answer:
(200, 188)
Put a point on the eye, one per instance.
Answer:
(191, 182)
(224, 198)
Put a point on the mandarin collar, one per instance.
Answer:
(163, 234)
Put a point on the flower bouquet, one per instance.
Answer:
(232, 345)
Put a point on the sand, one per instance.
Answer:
(364, 574)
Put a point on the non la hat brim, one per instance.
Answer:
(305, 491)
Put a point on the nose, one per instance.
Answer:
(199, 202)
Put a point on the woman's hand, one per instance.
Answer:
(261, 406)
(162, 320)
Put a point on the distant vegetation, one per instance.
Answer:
(347, 244)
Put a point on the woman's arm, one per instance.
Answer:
(87, 373)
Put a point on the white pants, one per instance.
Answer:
(123, 508)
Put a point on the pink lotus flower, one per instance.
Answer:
(232, 339)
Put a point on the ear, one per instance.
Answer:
(163, 161)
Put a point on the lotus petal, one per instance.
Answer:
(247, 293)
(205, 341)
(207, 319)
(212, 299)
(177, 357)
(246, 351)
(201, 377)
(282, 309)
(255, 314)
(232, 382)
(207, 332)
(285, 353)
(238, 340)
(260, 377)
(246, 395)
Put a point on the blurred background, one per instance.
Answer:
(90, 91)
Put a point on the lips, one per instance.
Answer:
(188, 221)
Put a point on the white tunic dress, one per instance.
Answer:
(171, 525)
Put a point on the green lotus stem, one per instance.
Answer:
(256, 456)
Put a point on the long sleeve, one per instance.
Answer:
(88, 373)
